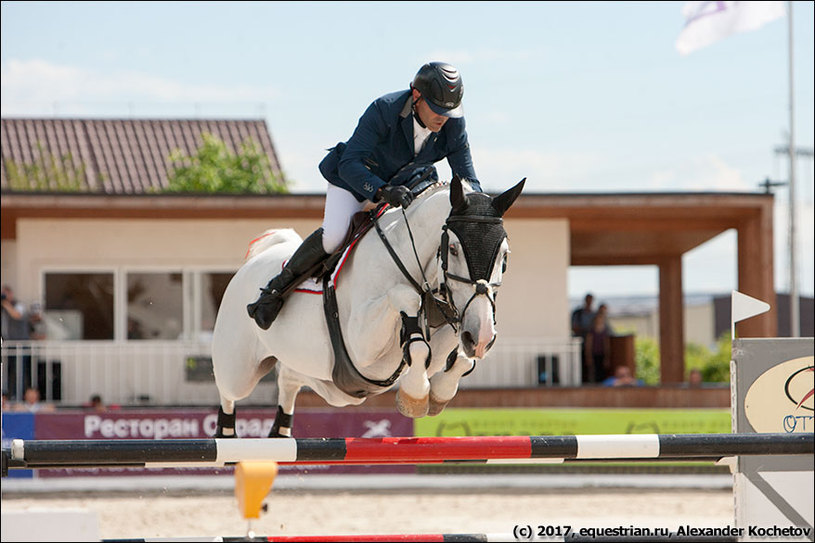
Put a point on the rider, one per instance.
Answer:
(398, 139)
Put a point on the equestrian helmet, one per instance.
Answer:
(441, 87)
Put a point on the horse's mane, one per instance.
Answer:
(441, 185)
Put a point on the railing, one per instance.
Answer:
(521, 363)
(137, 373)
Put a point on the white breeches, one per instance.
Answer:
(340, 206)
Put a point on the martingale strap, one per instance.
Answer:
(396, 258)
(344, 374)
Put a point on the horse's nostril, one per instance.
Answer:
(467, 338)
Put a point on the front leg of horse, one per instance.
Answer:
(444, 385)
(413, 396)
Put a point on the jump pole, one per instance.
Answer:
(37, 454)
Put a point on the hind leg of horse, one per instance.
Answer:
(226, 419)
(288, 385)
(444, 385)
(227, 412)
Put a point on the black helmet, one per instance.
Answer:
(441, 87)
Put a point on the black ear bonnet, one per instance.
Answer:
(480, 229)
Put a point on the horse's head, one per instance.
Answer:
(473, 257)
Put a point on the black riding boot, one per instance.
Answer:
(300, 265)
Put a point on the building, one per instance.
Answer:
(130, 262)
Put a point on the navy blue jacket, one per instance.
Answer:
(382, 147)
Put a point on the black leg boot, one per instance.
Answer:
(301, 264)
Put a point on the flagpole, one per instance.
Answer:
(795, 325)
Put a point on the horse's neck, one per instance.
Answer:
(371, 267)
(424, 224)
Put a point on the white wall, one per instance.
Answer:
(533, 301)
(8, 268)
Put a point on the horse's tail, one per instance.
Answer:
(270, 237)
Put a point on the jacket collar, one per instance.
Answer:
(406, 120)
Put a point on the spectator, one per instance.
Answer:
(623, 378)
(97, 404)
(16, 327)
(32, 403)
(597, 348)
(581, 324)
(603, 308)
(695, 378)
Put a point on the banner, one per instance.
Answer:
(555, 421)
(709, 22)
(200, 424)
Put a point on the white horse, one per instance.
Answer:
(452, 244)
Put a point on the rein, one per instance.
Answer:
(445, 310)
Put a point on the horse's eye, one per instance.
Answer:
(504, 263)
(453, 249)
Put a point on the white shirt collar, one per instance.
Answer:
(420, 135)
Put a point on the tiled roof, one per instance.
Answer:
(121, 156)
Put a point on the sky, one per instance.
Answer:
(578, 97)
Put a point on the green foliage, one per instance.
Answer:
(46, 173)
(714, 365)
(214, 168)
(646, 360)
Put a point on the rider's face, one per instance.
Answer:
(431, 120)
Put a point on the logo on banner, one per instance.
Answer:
(782, 398)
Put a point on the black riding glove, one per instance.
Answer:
(395, 195)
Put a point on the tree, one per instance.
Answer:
(214, 168)
(714, 365)
(47, 172)
(647, 361)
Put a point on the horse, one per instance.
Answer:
(415, 308)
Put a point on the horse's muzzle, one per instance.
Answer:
(473, 348)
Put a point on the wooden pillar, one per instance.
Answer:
(671, 321)
(756, 278)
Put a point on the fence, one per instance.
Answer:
(180, 372)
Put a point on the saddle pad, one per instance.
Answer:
(315, 286)
(361, 223)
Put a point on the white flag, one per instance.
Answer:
(707, 22)
(743, 307)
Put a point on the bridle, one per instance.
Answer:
(481, 287)
(438, 305)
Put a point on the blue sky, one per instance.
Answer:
(577, 97)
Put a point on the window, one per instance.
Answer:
(132, 304)
(213, 286)
(79, 305)
(155, 305)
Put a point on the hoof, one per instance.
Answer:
(275, 435)
(436, 406)
(411, 407)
